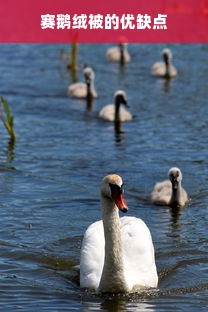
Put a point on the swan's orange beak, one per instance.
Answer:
(117, 195)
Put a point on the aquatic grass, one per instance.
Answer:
(73, 55)
(7, 118)
(69, 60)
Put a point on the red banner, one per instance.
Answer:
(91, 21)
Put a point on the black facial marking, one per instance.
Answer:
(116, 188)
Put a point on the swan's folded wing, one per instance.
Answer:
(158, 69)
(113, 54)
(125, 115)
(161, 193)
(92, 256)
(78, 90)
(184, 197)
(139, 258)
(108, 112)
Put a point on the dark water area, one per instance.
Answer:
(50, 178)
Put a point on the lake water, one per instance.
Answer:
(49, 186)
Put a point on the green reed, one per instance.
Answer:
(7, 118)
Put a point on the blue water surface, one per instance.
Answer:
(50, 177)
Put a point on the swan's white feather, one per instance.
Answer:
(108, 113)
(78, 90)
(92, 256)
(138, 255)
(159, 69)
(113, 54)
(161, 193)
(139, 260)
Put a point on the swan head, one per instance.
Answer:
(112, 188)
(121, 98)
(88, 74)
(175, 177)
(167, 56)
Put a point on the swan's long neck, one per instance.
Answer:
(167, 71)
(89, 96)
(117, 109)
(122, 51)
(167, 67)
(176, 194)
(90, 87)
(112, 279)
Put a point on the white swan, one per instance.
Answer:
(116, 112)
(165, 69)
(118, 54)
(81, 89)
(117, 254)
(170, 192)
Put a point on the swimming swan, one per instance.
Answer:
(117, 254)
(170, 192)
(81, 89)
(116, 112)
(165, 69)
(118, 54)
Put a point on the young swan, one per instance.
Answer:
(165, 69)
(117, 254)
(118, 54)
(81, 89)
(116, 112)
(170, 192)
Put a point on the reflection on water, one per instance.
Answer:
(167, 85)
(10, 152)
(89, 102)
(118, 130)
(61, 155)
(118, 303)
(67, 64)
(175, 214)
